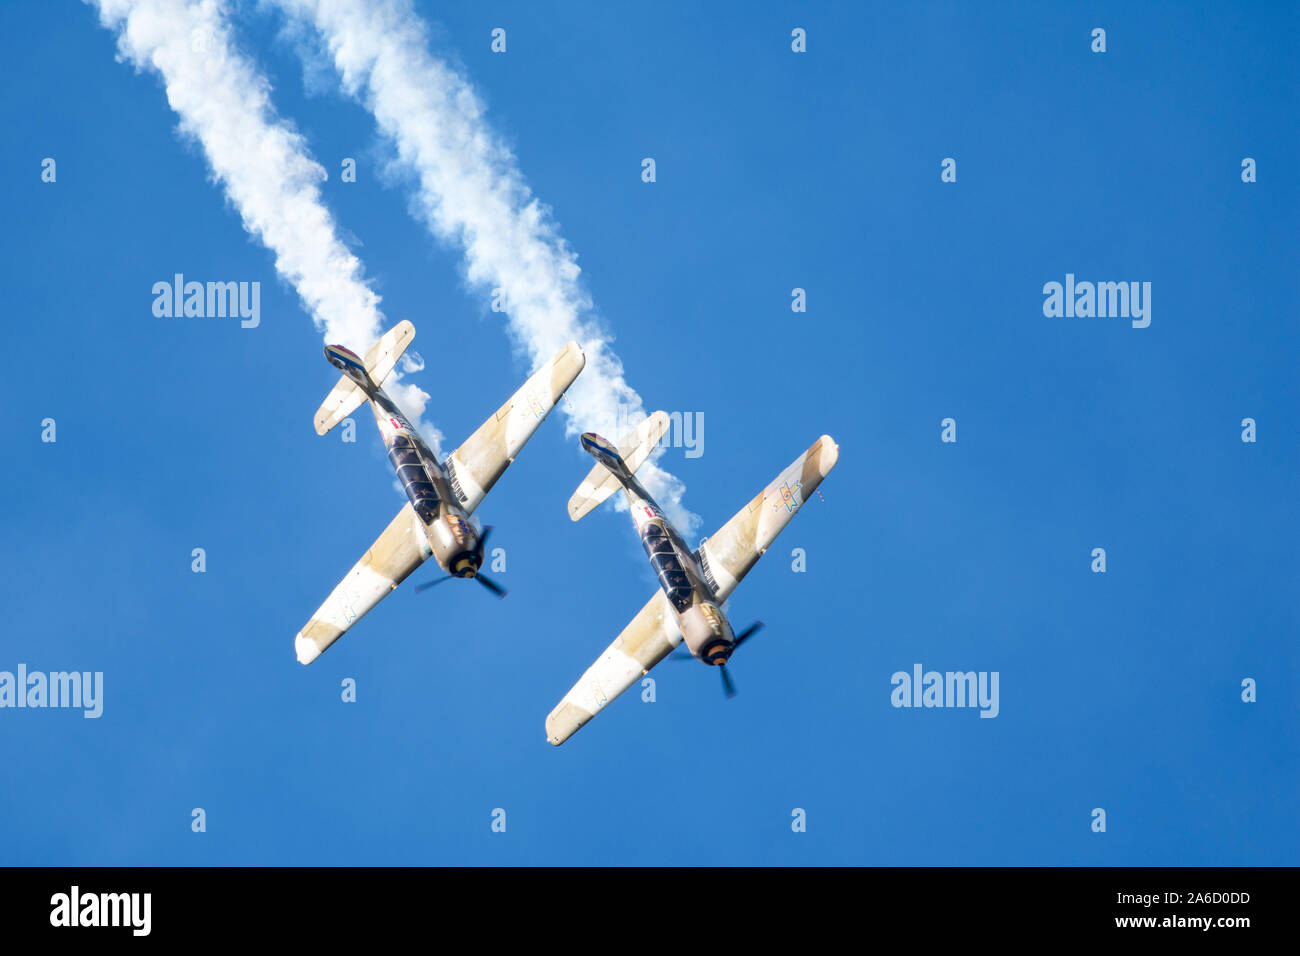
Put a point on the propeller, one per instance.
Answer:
(728, 687)
(491, 585)
(681, 653)
(428, 584)
(481, 578)
(747, 633)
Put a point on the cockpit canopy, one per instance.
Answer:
(415, 480)
(674, 580)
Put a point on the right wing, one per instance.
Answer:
(726, 556)
(397, 552)
(475, 466)
(647, 640)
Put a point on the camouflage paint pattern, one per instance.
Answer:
(468, 474)
(723, 561)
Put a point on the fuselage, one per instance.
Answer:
(451, 535)
(705, 629)
(452, 539)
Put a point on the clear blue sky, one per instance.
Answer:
(1118, 690)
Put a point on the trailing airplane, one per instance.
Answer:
(435, 521)
(692, 584)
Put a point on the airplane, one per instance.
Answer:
(435, 521)
(692, 584)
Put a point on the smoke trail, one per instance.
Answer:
(263, 165)
(471, 193)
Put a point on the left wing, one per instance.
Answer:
(399, 550)
(475, 466)
(646, 641)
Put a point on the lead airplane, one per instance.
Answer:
(435, 521)
(692, 584)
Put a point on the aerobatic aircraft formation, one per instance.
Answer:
(436, 522)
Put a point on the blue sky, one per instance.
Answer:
(775, 170)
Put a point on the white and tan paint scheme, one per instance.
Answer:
(441, 496)
(693, 584)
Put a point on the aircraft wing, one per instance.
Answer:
(726, 557)
(475, 466)
(397, 552)
(647, 640)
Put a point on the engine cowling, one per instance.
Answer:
(707, 633)
(455, 545)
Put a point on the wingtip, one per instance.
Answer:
(306, 649)
(565, 721)
(829, 455)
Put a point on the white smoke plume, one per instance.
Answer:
(263, 165)
(471, 193)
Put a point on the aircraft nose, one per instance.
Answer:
(718, 654)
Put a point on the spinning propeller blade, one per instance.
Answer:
(491, 585)
(681, 653)
(747, 633)
(728, 687)
(482, 579)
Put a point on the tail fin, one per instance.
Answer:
(605, 453)
(615, 465)
(361, 376)
(350, 364)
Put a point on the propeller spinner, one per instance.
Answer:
(472, 570)
(720, 660)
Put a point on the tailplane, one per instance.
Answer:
(361, 377)
(615, 465)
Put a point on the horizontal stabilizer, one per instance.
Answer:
(342, 401)
(346, 397)
(634, 449)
